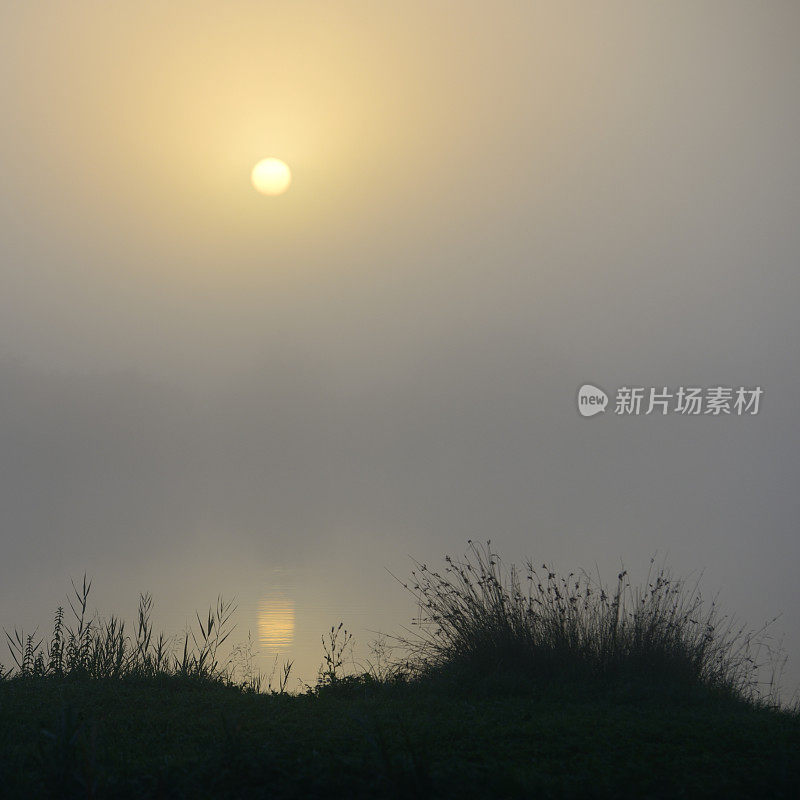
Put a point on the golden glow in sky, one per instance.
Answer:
(271, 176)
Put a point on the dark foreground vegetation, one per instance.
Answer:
(513, 684)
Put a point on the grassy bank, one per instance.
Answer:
(515, 683)
(175, 738)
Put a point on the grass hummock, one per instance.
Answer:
(478, 618)
(511, 683)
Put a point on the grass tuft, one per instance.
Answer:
(479, 618)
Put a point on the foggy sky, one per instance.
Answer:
(492, 204)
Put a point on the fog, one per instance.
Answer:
(203, 390)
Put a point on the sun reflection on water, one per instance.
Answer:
(276, 623)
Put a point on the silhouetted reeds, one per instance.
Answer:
(478, 618)
(93, 647)
(482, 618)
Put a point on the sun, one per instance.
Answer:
(271, 176)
